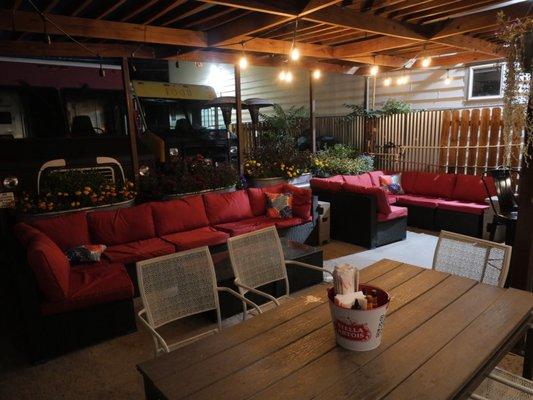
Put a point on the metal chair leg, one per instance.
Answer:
(527, 371)
(493, 227)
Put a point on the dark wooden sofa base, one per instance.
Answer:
(459, 222)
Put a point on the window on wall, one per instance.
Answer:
(485, 82)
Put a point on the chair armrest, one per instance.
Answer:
(239, 296)
(154, 333)
(259, 292)
(309, 266)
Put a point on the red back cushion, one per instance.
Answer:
(471, 188)
(179, 215)
(67, 231)
(227, 207)
(432, 184)
(51, 268)
(25, 233)
(257, 201)
(374, 177)
(302, 201)
(380, 195)
(121, 226)
(332, 184)
(408, 181)
(359, 180)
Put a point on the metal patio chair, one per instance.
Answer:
(176, 286)
(257, 260)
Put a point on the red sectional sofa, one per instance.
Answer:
(98, 295)
(434, 201)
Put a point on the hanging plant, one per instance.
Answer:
(516, 37)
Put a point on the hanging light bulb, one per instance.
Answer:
(447, 81)
(405, 79)
(400, 81)
(374, 70)
(387, 82)
(282, 75)
(295, 54)
(288, 77)
(426, 62)
(243, 62)
(101, 71)
(317, 74)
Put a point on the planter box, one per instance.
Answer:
(266, 182)
(181, 195)
(123, 204)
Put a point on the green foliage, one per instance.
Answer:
(341, 159)
(290, 122)
(390, 107)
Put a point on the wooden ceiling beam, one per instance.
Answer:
(472, 44)
(462, 58)
(371, 46)
(274, 7)
(384, 60)
(138, 10)
(316, 5)
(81, 8)
(164, 11)
(195, 10)
(111, 9)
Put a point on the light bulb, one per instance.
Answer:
(374, 70)
(447, 81)
(399, 81)
(405, 79)
(282, 75)
(317, 74)
(243, 62)
(387, 81)
(426, 62)
(295, 54)
(288, 77)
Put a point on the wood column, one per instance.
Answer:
(130, 113)
(238, 125)
(312, 122)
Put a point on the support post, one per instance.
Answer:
(312, 121)
(130, 113)
(238, 125)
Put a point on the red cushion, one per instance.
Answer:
(205, 236)
(25, 233)
(332, 184)
(288, 222)
(420, 201)
(124, 225)
(137, 251)
(432, 184)
(396, 212)
(227, 207)
(383, 206)
(67, 231)
(358, 180)
(91, 285)
(302, 201)
(374, 177)
(51, 268)
(179, 215)
(471, 188)
(247, 225)
(464, 207)
(257, 201)
(392, 198)
(408, 180)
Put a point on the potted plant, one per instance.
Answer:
(341, 160)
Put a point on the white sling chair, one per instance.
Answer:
(486, 262)
(257, 259)
(177, 286)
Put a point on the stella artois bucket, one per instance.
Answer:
(359, 330)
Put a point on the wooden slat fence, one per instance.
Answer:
(344, 130)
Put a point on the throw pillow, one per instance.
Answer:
(279, 205)
(86, 253)
(391, 183)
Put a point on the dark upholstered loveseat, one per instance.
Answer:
(67, 306)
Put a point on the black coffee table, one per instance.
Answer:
(299, 278)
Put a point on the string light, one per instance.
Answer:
(288, 77)
(295, 54)
(282, 75)
(402, 80)
(374, 70)
(448, 80)
(317, 74)
(426, 62)
(243, 62)
(387, 82)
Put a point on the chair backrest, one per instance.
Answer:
(504, 190)
(473, 258)
(257, 258)
(82, 126)
(178, 285)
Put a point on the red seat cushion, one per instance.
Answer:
(383, 206)
(67, 231)
(302, 201)
(137, 251)
(374, 177)
(358, 180)
(471, 188)
(331, 184)
(396, 212)
(124, 225)
(408, 180)
(51, 268)
(464, 207)
(247, 225)
(288, 222)
(227, 207)
(205, 236)
(432, 184)
(392, 198)
(25, 233)
(420, 201)
(91, 285)
(179, 215)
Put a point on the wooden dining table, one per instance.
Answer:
(442, 335)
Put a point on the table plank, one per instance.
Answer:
(423, 302)
(311, 331)
(478, 341)
(390, 368)
(173, 363)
